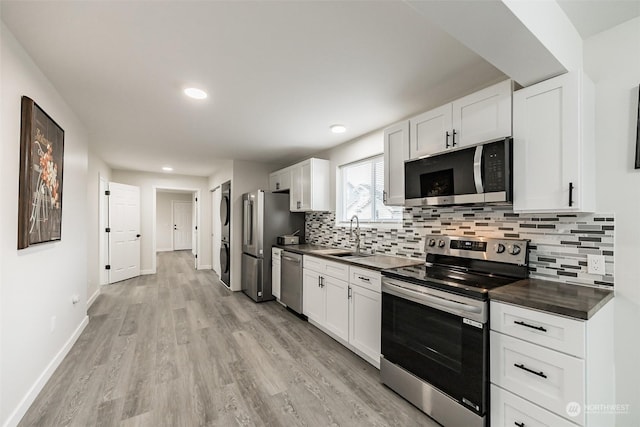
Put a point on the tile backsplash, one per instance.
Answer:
(559, 243)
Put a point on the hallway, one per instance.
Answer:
(178, 349)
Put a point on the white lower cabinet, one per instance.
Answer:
(275, 271)
(509, 410)
(547, 377)
(365, 315)
(549, 370)
(345, 302)
(325, 295)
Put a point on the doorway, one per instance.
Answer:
(176, 221)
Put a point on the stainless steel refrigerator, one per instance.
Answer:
(265, 217)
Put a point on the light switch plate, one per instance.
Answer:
(595, 264)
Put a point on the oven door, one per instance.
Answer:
(433, 335)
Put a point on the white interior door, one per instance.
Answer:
(124, 235)
(216, 229)
(182, 222)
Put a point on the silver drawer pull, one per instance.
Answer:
(531, 371)
(537, 328)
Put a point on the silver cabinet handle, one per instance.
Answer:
(349, 293)
(366, 279)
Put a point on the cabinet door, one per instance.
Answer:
(396, 151)
(365, 322)
(313, 297)
(275, 277)
(482, 116)
(305, 186)
(430, 132)
(547, 147)
(274, 181)
(284, 179)
(295, 196)
(337, 306)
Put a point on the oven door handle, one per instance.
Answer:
(430, 300)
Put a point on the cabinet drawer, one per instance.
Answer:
(312, 263)
(548, 378)
(327, 268)
(555, 332)
(337, 270)
(369, 279)
(276, 253)
(509, 410)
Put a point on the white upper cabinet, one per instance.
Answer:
(310, 186)
(483, 116)
(396, 151)
(480, 117)
(280, 180)
(554, 151)
(307, 183)
(431, 132)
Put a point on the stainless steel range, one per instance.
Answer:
(435, 336)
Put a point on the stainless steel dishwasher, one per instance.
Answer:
(291, 281)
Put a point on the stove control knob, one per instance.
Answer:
(500, 248)
(441, 243)
(432, 242)
(514, 250)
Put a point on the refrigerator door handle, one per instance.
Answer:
(245, 224)
(250, 222)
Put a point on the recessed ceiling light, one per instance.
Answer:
(195, 93)
(338, 129)
(167, 168)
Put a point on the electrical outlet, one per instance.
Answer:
(53, 323)
(595, 264)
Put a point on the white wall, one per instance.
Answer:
(148, 182)
(365, 146)
(164, 218)
(38, 282)
(612, 60)
(97, 169)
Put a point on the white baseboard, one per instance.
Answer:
(93, 297)
(164, 250)
(204, 267)
(37, 387)
(145, 272)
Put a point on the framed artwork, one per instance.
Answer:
(41, 167)
(638, 134)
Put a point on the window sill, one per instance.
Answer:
(369, 225)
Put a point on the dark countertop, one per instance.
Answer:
(372, 262)
(579, 302)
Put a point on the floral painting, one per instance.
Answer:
(41, 163)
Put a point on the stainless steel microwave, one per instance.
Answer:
(475, 175)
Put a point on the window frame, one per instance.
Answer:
(340, 195)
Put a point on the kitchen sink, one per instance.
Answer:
(351, 255)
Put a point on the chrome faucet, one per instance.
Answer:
(357, 231)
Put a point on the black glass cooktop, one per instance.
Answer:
(451, 279)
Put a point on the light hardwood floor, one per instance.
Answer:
(178, 349)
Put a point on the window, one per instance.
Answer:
(362, 187)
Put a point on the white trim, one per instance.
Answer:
(204, 267)
(93, 297)
(147, 272)
(103, 223)
(164, 250)
(37, 387)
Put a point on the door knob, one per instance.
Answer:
(138, 235)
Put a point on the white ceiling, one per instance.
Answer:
(278, 73)
(593, 16)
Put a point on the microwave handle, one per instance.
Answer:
(477, 169)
